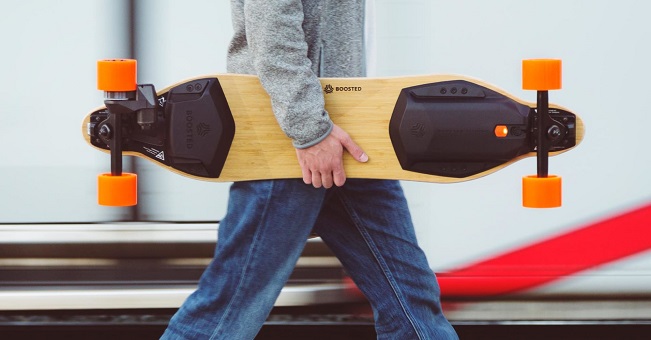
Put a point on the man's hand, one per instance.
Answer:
(322, 164)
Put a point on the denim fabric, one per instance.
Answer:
(366, 223)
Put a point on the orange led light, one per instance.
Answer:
(501, 131)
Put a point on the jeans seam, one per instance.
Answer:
(245, 268)
(376, 254)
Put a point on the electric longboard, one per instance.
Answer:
(436, 128)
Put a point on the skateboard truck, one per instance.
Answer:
(542, 190)
(117, 78)
(190, 128)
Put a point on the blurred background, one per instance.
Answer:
(53, 233)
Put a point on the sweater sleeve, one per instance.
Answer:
(276, 35)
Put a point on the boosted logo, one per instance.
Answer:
(189, 124)
(417, 130)
(329, 89)
(203, 129)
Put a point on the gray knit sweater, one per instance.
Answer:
(288, 44)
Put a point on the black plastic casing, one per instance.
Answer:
(201, 127)
(448, 129)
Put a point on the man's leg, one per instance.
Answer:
(367, 224)
(259, 242)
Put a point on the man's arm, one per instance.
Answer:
(276, 34)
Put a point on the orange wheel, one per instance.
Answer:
(117, 191)
(541, 192)
(116, 75)
(542, 74)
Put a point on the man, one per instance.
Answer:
(288, 44)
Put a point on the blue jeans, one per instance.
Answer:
(366, 223)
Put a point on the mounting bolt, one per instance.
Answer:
(554, 132)
(105, 132)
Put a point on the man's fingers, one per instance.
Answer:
(316, 179)
(322, 164)
(339, 176)
(355, 150)
(326, 180)
(307, 175)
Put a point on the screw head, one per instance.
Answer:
(105, 131)
(554, 132)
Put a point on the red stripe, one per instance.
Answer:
(554, 258)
